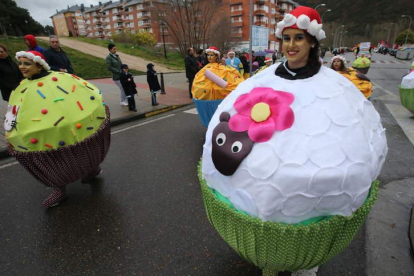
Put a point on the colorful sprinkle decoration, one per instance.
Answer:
(44, 111)
(33, 140)
(54, 79)
(100, 117)
(58, 121)
(58, 99)
(41, 94)
(24, 90)
(78, 125)
(35, 119)
(63, 90)
(61, 143)
(73, 132)
(73, 88)
(75, 77)
(80, 105)
(89, 87)
(22, 147)
(89, 128)
(49, 146)
(40, 84)
(92, 98)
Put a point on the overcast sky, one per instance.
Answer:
(42, 10)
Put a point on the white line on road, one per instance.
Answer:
(383, 89)
(141, 124)
(113, 132)
(191, 111)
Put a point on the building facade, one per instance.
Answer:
(69, 22)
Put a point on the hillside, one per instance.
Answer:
(365, 19)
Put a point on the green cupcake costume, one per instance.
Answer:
(58, 128)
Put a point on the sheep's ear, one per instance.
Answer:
(9, 108)
(224, 117)
(14, 111)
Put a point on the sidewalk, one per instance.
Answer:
(176, 88)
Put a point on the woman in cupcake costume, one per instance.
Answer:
(291, 157)
(57, 126)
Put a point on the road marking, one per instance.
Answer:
(141, 124)
(403, 118)
(8, 165)
(192, 111)
(112, 132)
(385, 90)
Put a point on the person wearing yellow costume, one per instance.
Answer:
(358, 79)
(362, 64)
(215, 81)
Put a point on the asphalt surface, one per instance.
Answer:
(144, 215)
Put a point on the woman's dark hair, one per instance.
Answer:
(189, 50)
(313, 59)
(343, 68)
(4, 48)
(200, 52)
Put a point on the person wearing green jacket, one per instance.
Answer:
(113, 63)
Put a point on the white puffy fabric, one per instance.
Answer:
(408, 81)
(322, 165)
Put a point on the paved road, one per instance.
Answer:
(134, 62)
(145, 215)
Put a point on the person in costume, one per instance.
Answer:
(290, 157)
(268, 63)
(57, 126)
(362, 64)
(215, 81)
(235, 62)
(406, 89)
(31, 43)
(10, 75)
(360, 80)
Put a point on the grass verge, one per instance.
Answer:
(174, 60)
(84, 65)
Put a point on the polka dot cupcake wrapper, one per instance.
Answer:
(274, 246)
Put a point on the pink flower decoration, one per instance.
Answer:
(261, 112)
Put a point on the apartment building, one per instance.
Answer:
(69, 22)
(266, 14)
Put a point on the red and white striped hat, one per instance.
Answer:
(214, 50)
(35, 56)
(302, 18)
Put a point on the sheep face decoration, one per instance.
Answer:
(10, 117)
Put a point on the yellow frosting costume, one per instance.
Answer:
(361, 81)
(205, 89)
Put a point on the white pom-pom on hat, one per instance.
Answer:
(314, 28)
(35, 56)
(289, 20)
(303, 22)
(321, 35)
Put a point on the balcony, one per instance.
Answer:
(260, 2)
(236, 13)
(119, 19)
(237, 35)
(98, 15)
(98, 22)
(146, 16)
(100, 35)
(99, 28)
(120, 27)
(260, 12)
(146, 25)
(260, 23)
(237, 24)
(236, 2)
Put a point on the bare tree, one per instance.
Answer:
(188, 21)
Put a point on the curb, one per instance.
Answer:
(120, 121)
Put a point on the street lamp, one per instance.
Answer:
(395, 35)
(324, 14)
(334, 42)
(340, 40)
(388, 36)
(163, 38)
(321, 5)
(409, 26)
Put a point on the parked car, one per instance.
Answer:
(392, 52)
(375, 50)
(383, 50)
(335, 51)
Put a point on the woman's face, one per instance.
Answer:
(28, 67)
(296, 48)
(337, 64)
(3, 53)
(212, 57)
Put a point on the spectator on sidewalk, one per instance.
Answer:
(191, 68)
(31, 43)
(235, 62)
(201, 58)
(113, 63)
(56, 57)
(153, 83)
(246, 66)
(130, 88)
(10, 75)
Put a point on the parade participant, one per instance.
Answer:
(362, 64)
(246, 67)
(31, 43)
(10, 75)
(212, 84)
(358, 79)
(290, 157)
(130, 88)
(113, 64)
(235, 62)
(406, 89)
(153, 83)
(57, 126)
(268, 63)
(56, 57)
(191, 68)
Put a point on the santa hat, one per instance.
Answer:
(35, 56)
(214, 50)
(339, 57)
(302, 18)
(230, 52)
(268, 59)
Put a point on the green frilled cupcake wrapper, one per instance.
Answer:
(274, 246)
(407, 98)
